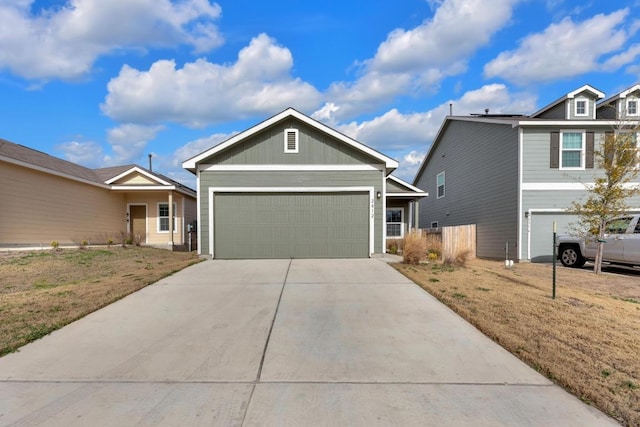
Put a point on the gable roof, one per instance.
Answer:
(586, 88)
(113, 174)
(33, 159)
(103, 177)
(620, 95)
(409, 190)
(192, 163)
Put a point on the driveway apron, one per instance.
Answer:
(278, 342)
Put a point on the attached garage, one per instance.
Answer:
(302, 224)
(291, 187)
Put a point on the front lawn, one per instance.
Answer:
(42, 291)
(587, 340)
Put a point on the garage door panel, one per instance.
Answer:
(296, 225)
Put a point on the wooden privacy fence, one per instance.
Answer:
(453, 240)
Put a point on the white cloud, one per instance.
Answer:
(64, 42)
(396, 131)
(409, 164)
(565, 49)
(406, 136)
(193, 148)
(128, 142)
(202, 93)
(416, 60)
(88, 153)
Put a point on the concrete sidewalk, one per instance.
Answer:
(278, 342)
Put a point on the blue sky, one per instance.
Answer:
(103, 83)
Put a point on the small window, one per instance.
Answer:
(572, 150)
(440, 184)
(632, 107)
(434, 224)
(163, 217)
(291, 141)
(395, 226)
(581, 107)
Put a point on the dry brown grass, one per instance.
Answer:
(414, 248)
(586, 340)
(44, 290)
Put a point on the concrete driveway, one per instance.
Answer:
(276, 343)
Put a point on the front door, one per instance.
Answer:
(138, 223)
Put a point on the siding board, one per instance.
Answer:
(481, 165)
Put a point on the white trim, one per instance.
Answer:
(586, 107)
(565, 186)
(191, 163)
(581, 89)
(198, 209)
(275, 168)
(146, 219)
(116, 187)
(583, 149)
(637, 102)
(582, 123)
(444, 185)
(408, 195)
(211, 191)
(183, 222)
(520, 187)
(406, 184)
(296, 140)
(402, 223)
(175, 218)
(383, 196)
(140, 171)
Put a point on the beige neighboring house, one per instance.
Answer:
(45, 199)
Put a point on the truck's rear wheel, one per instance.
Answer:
(570, 256)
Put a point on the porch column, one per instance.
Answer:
(416, 216)
(171, 213)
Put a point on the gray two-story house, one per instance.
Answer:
(515, 175)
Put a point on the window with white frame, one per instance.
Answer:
(395, 225)
(632, 107)
(572, 150)
(291, 141)
(582, 107)
(440, 185)
(163, 217)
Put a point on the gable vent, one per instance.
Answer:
(291, 141)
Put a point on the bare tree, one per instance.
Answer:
(617, 161)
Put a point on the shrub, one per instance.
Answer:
(459, 260)
(55, 245)
(414, 248)
(393, 246)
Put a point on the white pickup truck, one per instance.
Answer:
(622, 244)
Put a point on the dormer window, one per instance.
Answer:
(291, 140)
(582, 107)
(632, 107)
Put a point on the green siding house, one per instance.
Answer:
(292, 187)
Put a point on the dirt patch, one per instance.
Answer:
(587, 339)
(42, 291)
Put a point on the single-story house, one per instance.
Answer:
(47, 199)
(292, 187)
